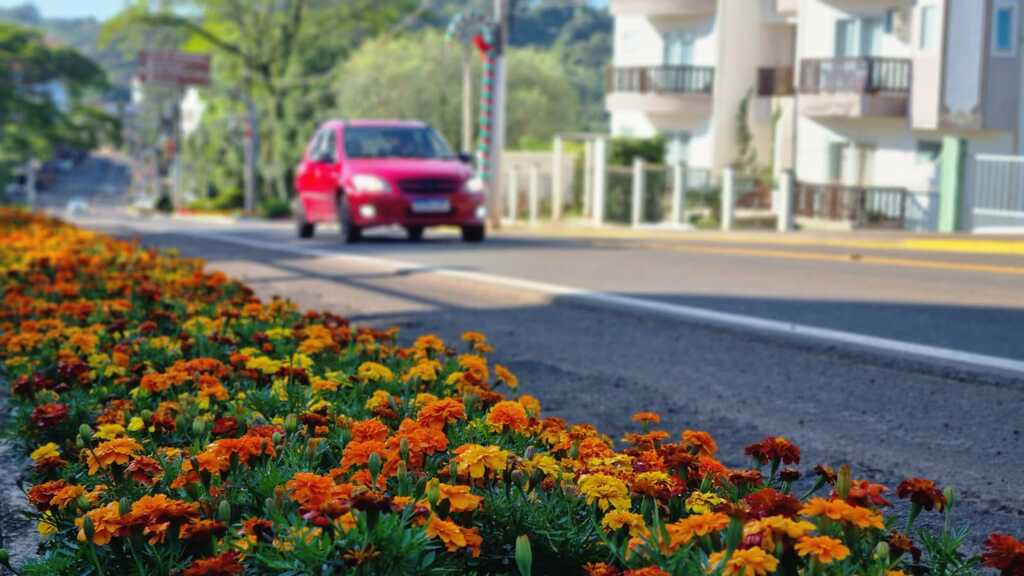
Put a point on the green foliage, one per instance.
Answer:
(275, 208)
(625, 150)
(745, 163)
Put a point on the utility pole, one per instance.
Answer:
(467, 97)
(503, 20)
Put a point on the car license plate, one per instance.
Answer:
(434, 206)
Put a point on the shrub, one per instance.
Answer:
(275, 207)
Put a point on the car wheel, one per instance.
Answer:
(475, 233)
(303, 228)
(414, 233)
(350, 233)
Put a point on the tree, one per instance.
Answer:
(261, 46)
(31, 122)
(418, 76)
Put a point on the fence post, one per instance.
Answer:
(678, 192)
(556, 180)
(534, 192)
(728, 198)
(638, 191)
(588, 177)
(784, 211)
(600, 179)
(513, 192)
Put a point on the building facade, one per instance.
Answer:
(862, 94)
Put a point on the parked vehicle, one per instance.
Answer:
(369, 173)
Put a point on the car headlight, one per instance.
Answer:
(475, 185)
(370, 183)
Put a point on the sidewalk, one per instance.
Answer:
(866, 240)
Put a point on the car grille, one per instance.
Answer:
(429, 186)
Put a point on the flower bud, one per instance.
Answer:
(83, 503)
(224, 512)
(524, 555)
(950, 495)
(198, 426)
(403, 449)
(88, 528)
(881, 551)
(276, 437)
(374, 464)
(79, 441)
(291, 423)
(269, 505)
(124, 506)
(843, 481)
(85, 432)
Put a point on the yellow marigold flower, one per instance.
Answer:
(279, 333)
(682, 531)
(116, 451)
(426, 370)
(109, 431)
(824, 549)
(475, 460)
(136, 424)
(507, 415)
(606, 491)
(200, 325)
(545, 463)
(794, 529)
(374, 372)
(323, 385)
(300, 360)
(263, 364)
(47, 525)
(531, 404)
(505, 375)
(616, 519)
(380, 400)
(703, 502)
(744, 562)
(424, 398)
(48, 450)
(106, 522)
(280, 389)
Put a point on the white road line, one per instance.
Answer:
(651, 306)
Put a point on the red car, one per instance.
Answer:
(367, 173)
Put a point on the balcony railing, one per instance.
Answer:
(859, 75)
(862, 206)
(662, 79)
(775, 81)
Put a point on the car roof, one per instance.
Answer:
(379, 122)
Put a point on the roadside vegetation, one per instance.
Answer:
(177, 424)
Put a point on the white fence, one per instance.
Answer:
(996, 199)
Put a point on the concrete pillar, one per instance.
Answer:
(678, 192)
(638, 192)
(557, 180)
(784, 209)
(513, 192)
(951, 191)
(728, 198)
(534, 192)
(600, 178)
(588, 177)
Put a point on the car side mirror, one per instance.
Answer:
(466, 158)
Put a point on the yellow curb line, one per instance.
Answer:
(959, 245)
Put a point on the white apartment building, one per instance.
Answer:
(682, 68)
(850, 93)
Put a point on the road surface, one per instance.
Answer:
(588, 325)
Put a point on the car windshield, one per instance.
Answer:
(394, 142)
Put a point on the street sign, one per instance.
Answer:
(174, 68)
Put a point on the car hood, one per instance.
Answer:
(402, 168)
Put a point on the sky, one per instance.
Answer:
(101, 9)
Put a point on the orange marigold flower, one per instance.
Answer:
(744, 562)
(507, 415)
(310, 490)
(448, 532)
(701, 441)
(226, 564)
(67, 495)
(144, 470)
(646, 418)
(1004, 553)
(505, 375)
(459, 497)
(199, 529)
(358, 453)
(116, 451)
(922, 492)
(372, 429)
(824, 549)
(106, 523)
(774, 449)
(475, 460)
(440, 412)
(600, 569)
(648, 571)
(41, 495)
(682, 531)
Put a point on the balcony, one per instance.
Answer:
(851, 206)
(772, 83)
(661, 89)
(855, 87)
(657, 8)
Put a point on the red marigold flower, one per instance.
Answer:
(144, 470)
(1004, 553)
(864, 493)
(769, 502)
(226, 564)
(226, 426)
(774, 449)
(41, 494)
(49, 415)
(922, 492)
(600, 569)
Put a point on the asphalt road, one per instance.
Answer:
(887, 414)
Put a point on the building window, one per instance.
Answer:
(677, 148)
(928, 151)
(836, 159)
(929, 28)
(1004, 32)
(679, 49)
(859, 36)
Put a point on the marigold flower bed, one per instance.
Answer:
(179, 425)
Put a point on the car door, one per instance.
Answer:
(313, 181)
